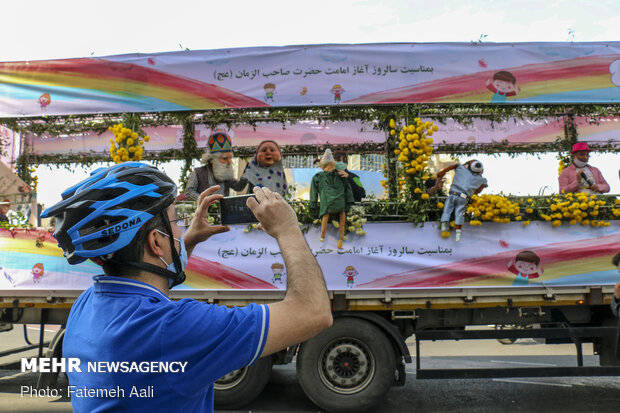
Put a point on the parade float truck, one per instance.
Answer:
(533, 266)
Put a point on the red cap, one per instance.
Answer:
(580, 146)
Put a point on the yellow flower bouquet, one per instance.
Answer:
(127, 145)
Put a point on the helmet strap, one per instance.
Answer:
(159, 271)
(178, 277)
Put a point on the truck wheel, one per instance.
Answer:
(348, 367)
(240, 387)
(50, 379)
(607, 346)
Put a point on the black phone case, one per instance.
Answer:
(234, 210)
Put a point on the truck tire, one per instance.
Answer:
(607, 346)
(347, 368)
(50, 379)
(240, 387)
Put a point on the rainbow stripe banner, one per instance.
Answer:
(314, 76)
(389, 256)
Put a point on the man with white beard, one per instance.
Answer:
(216, 170)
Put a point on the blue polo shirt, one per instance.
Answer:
(123, 320)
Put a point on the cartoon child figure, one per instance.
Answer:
(503, 84)
(337, 90)
(526, 265)
(37, 272)
(350, 272)
(277, 269)
(270, 88)
(45, 100)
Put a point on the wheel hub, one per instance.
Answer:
(231, 379)
(346, 366)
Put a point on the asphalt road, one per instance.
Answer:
(283, 394)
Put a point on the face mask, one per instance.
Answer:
(579, 164)
(341, 165)
(182, 256)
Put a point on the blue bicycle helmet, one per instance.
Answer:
(103, 213)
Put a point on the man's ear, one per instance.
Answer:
(154, 244)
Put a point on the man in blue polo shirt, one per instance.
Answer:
(140, 351)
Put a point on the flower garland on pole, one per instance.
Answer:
(414, 151)
(190, 147)
(127, 145)
(565, 161)
(35, 180)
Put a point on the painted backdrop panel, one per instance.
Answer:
(314, 75)
(389, 256)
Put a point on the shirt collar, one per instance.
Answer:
(105, 284)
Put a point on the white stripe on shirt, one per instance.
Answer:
(134, 285)
(262, 335)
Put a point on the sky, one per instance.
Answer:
(77, 28)
(35, 30)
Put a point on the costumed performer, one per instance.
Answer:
(467, 181)
(216, 169)
(356, 184)
(580, 176)
(266, 170)
(334, 192)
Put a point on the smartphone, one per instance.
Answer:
(234, 210)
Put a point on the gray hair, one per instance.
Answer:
(204, 159)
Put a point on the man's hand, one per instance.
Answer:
(274, 215)
(437, 187)
(578, 174)
(595, 188)
(617, 291)
(200, 230)
(342, 173)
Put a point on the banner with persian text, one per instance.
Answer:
(388, 256)
(314, 75)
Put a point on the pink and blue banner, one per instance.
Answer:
(603, 130)
(388, 256)
(513, 131)
(314, 75)
(301, 133)
(161, 138)
(171, 137)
